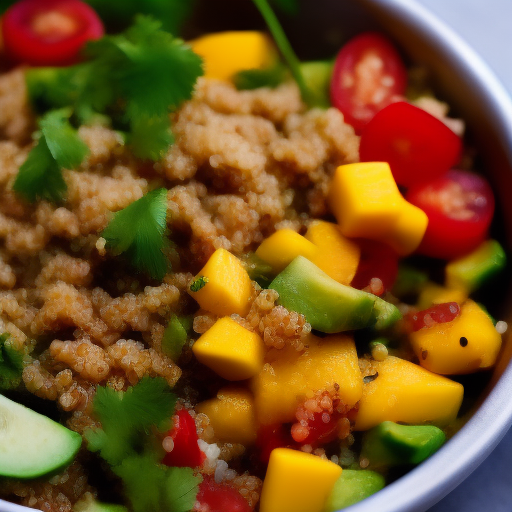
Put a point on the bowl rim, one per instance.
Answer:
(425, 485)
(428, 483)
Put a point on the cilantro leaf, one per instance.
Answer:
(152, 486)
(150, 137)
(121, 13)
(126, 416)
(255, 78)
(11, 364)
(139, 232)
(199, 283)
(59, 146)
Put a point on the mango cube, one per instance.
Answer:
(228, 285)
(230, 350)
(338, 256)
(365, 199)
(468, 343)
(231, 416)
(289, 376)
(433, 293)
(297, 482)
(227, 53)
(402, 391)
(283, 246)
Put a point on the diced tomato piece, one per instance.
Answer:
(438, 314)
(378, 261)
(221, 497)
(323, 429)
(459, 207)
(273, 436)
(49, 32)
(417, 146)
(186, 451)
(368, 75)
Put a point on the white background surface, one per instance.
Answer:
(487, 26)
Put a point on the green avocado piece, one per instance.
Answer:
(317, 75)
(32, 445)
(328, 305)
(473, 270)
(89, 504)
(352, 486)
(391, 444)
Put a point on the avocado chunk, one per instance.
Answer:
(329, 306)
(89, 504)
(32, 445)
(391, 444)
(317, 75)
(473, 270)
(352, 486)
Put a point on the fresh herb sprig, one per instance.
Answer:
(125, 441)
(11, 363)
(139, 233)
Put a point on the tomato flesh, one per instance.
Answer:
(220, 497)
(417, 146)
(459, 207)
(49, 32)
(271, 437)
(438, 314)
(368, 75)
(377, 261)
(186, 451)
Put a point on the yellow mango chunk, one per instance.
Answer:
(405, 392)
(408, 231)
(231, 416)
(468, 343)
(288, 377)
(365, 199)
(227, 53)
(338, 256)
(436, 294)
(283, 246)
(228, 287)
(230, 350)
(297, 482)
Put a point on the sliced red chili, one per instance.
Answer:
(459, 207)
(417, 146)
(220, 497)
(438, 314)
(49, 32)
(368, 75)
(185, 450)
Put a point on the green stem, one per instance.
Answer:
(284, 46)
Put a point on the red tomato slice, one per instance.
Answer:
(186, 451)
(220, 497)
(459, 207)
(368, 75)
(49, 32)
(377, 260)
(417, 146)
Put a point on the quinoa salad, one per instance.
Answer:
(230, 280)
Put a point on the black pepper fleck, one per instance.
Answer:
(424, 354)
(370, 378)
(463, 341)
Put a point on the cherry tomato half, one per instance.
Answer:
(368, 75)
(49, 32)
(417, 146)
(459, 207)
(221, 497)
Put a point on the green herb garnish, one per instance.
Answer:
(139, 233)
(254, 78)
(11, 364)
(59, 147)
(198, 283)
(284, 46)
(126, 442)
(175, 337)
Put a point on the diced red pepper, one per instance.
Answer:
(438, 314)
(186, 451)
(221, 497)
(271, 437)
